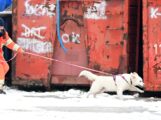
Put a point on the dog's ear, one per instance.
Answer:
(134, 75)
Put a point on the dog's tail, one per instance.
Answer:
(90, 76)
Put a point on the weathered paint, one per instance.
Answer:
(95, 32)
(106, 35)
(74, 37)
(99, 28)
(152, 44)
(34, 27)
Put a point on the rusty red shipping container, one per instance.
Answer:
(152, 44)
(95, 33)
(34, 30)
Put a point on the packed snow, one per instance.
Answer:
(73, 105)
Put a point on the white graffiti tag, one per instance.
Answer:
(74, 38)
(30, 32)
(39, 9)
(157, 48)
(97, 11)
(35, 45)
(154, 13)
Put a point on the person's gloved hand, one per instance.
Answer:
(6, 36)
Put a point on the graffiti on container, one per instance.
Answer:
(154, 13)
(31, 40)
(35, 45)
(30, 32)
(97, 11)
(157, 47)
(39, 9)
(74, 38)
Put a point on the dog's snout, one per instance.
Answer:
(141, 85)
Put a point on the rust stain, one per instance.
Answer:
(102, 42)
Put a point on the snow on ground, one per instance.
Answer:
(73, 105)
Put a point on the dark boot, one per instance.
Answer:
(2, 92)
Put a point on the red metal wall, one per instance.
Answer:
(74, 37)
(102, 27)
(152, 44)
(34, 30)
(106, 33)
(95, 32)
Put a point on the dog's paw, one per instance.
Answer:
(136, 95)
(141, 91)
(120, 97)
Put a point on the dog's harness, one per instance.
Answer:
(114, 78)
(126, 80)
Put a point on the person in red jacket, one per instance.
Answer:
(5, 40)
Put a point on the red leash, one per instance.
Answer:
(52, 59)
(70, 64)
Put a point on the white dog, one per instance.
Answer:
(117, 83)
